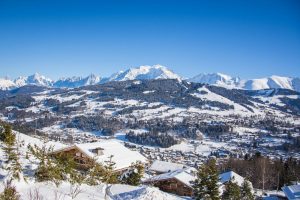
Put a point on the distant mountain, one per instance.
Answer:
(77, 81)
(35, 79)
(153, 73)
(251, 84)
(6, 84)
(216, 79)
(271, 82)
(144, 73)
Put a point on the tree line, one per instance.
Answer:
(263, 172)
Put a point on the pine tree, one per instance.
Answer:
(110, 176)
(133, 175)
(10, 192)
(47, 169)
(246, 191)
(10, 148)
(200, 184)
(232, 191)
(206, 184)
(2, 131)
(68, 167)
(95, 174)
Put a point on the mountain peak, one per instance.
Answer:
(144, 72)
(216, 79)
(34, 79)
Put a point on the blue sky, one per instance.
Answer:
(63, 38)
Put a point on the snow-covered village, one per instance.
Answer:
(149, 100)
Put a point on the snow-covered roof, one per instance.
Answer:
(26, 139)
(231, 175)
(128, 192)
(163, 166)
(292, 192)
(185, 176)
(122, 156)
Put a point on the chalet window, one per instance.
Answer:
(78, 154)
(173, 185)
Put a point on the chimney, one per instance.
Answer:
(98, 151)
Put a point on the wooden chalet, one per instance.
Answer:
(178, 182)
(86, 154)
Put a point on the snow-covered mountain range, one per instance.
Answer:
(155, 72)
(251, 84)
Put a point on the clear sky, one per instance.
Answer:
(246, 38)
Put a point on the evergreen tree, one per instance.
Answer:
(95, 174)
(68, 167)
(110, 176)
(10, 192)
(47, 169)
(2, 131)
(246, 191)
(133, 175)
(11, 152)
(206, 184)
(232, 191)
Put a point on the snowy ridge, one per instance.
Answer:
(251, 84)
(216, 79)
(77, 81)
(144, 73)
(270, 82)
(147, 72)
(6, 84)
(35, 79)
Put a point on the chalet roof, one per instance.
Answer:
(122, 156)
(186, 176)
(163, 166)
(292, 192)
(227, 176)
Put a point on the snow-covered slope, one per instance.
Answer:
(77, 81)
(144, 73)
(270, 82)
(216, 79)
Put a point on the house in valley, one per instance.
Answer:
(87, 153)
(178, 182)
(224, 178)
(231, 175)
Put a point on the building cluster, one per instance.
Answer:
(168, 170)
